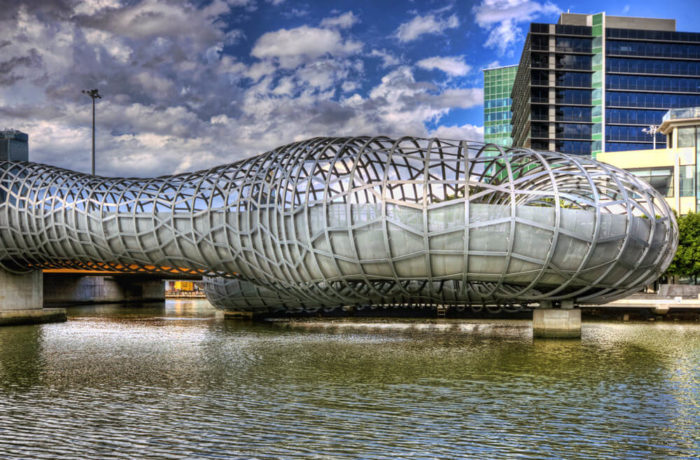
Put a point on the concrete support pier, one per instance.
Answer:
(22, 298)
(561, 323)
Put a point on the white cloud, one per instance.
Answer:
(387, 58)
(233, 36)
(293, 46)
(157, 18)
(349, 86)
(421, 25)
(92, 6)
(464, 132)
(344, 21)
(501, 19)
(258, 70)
(116, 47)
(404, 104)
(158, 86)
(453, 66)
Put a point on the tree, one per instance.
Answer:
(687, 259)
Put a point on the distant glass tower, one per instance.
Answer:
(498, 84)
(594, 83)
(14, 146)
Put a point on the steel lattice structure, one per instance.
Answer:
(330, 222)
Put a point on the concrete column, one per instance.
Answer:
(21, 292)
(22, 298)
(556, 323)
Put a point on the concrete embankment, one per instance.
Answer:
(32, 316)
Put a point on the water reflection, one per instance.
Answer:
(20, 357)
(174, 380)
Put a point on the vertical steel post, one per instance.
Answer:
(93, 136)
(94, 94)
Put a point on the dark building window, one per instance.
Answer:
(573, 147)
(540, 60)
(538, 130)
(668, 50)
(616, 99)
(575, 79)
(652, 66)
(634, 117)
(572, 44)
(630, 133)
(573, 61)
(573, 96)
(540, 42)
(573, 131)
(540, 95)
(653, 35)
(540, 112)
(572, 30)
(644, 83)
(573, 114)
(540, 77)
(539, 28)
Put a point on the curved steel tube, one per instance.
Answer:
(352, 221)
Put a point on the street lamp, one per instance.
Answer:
(94, 94)
(652, 129)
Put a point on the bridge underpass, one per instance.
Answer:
(42, 295)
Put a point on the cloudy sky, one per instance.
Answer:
(188, 85)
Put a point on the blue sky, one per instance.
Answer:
(188, 85)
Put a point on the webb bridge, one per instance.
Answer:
(333, 222)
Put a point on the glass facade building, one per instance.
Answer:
(595, 83)
(498, 84)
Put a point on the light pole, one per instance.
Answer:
(94, 94)
(652, 129)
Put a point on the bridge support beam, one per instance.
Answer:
(560, 323)
(21, 300)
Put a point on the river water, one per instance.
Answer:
(173, 381)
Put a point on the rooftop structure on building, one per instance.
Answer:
(498, 84)
(596, 83)
(14, 145)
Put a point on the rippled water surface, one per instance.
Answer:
(175, 382)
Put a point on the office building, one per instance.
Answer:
(596, 83)
(498, 84)
(14, 146)
(673, 171)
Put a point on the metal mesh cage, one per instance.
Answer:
(354, 221)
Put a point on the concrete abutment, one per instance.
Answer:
(22, 300)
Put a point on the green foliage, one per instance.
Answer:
(687, 259)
